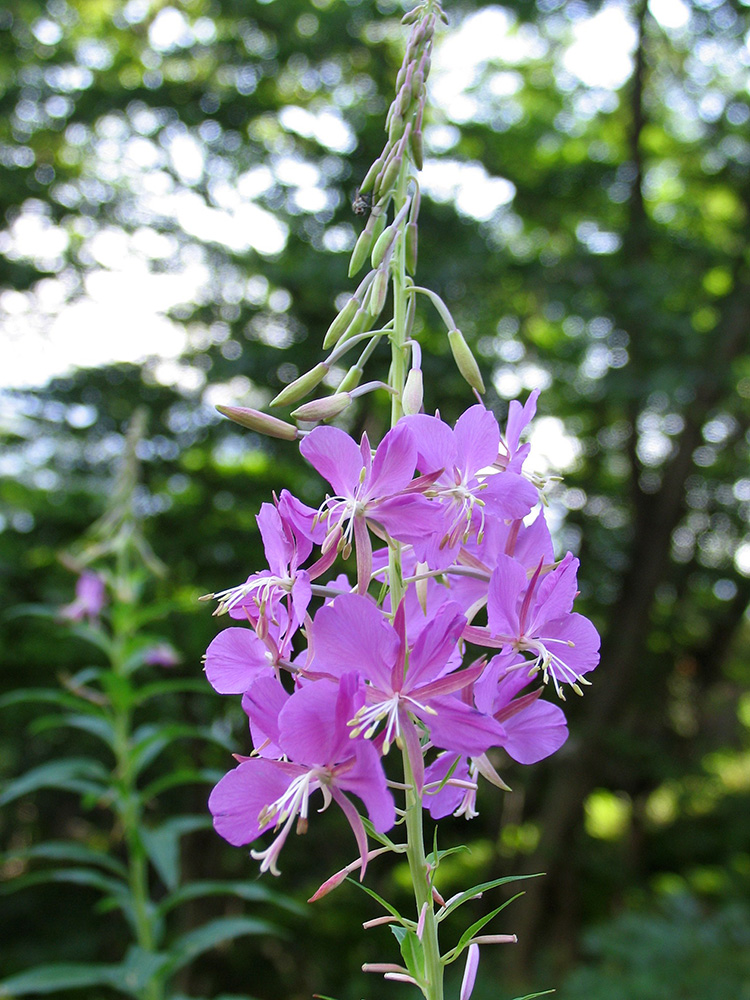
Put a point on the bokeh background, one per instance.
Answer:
(175, 220)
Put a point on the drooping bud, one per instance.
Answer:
(342, 321)
(396, 126)
(378, 292)
(301, 386)
(383, 245)
(411, 247)
(350, 380)
(262, 423)
(465, 360)
(388, 176)
(371, 174)
(361, 250)
(412, 15)
(325, 408)
(416, 140)
(413, 396)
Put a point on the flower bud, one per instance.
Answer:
(350, 380)
(262, 423)
(416, 141)
(411, 16)
(389, 176)
(411, 247)
(301, 386)
(371, 174)
(413, 392)
(396, 125)
(361, 250)
(342, 321)
(361, 322)
(378, 292)
(465, 360)
(383, 245)
(325, 408)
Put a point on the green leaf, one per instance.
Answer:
(176, 685)
(162, 844)
(61, 976)
(142, 968)
(49, 696)
(95, 636)
(96, 725)
(249, 891)
(482, 887)
(90, 877)
(411, 951)
(68, 850)
(530, 996)
(460, 849)
(184, 776)
(152, 739)
(75, 774)
(188, 946)
(469, 933)
(384, 903)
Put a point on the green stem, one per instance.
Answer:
(420, 877)
(399, 350)
(128, 812)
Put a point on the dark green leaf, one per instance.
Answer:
(61, 976)
(75, 774)
(184, 776)
(249, 891)
(96, 725)
(469, 933)
(371, 892)
(481, 888)
(177, 685)
(68, 850)
(216, 932)
(162, 844)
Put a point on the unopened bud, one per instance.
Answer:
(465, 360)
(410, 247)
(361, 250)
(412, 15)
(361, 322)
(371, 174)
(396, 125)
(413, 392)
(378, 293)
(416, 140)
(389, 176)
(262, 423)
(325, 408)
(350, 380)
(383, 245)
(301, 386)
(342, 321)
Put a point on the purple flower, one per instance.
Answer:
(236, 656)
(353, 631)
(467, 494)
(161, 654)
(511, 457)
(262, 794)
(283, 591)
(534, 616)
(91, 596)
(379, 491)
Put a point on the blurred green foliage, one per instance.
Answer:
(590, 239)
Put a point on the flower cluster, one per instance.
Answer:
(334, 672)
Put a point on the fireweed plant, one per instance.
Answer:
(131, 855)
(447, 542)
